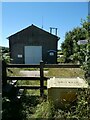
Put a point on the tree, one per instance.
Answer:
(78, 53)
(71, 50)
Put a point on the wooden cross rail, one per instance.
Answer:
(61, 66)
(41, 78)
(22, 66)
(44, 65)
(30, 87)
(24, 78)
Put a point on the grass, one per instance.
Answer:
(38, 108)
(32, 106)
(13, 72)
(57, 72)
(66, 72)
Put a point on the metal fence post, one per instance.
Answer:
(41, 79)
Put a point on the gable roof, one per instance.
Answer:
(33, 27)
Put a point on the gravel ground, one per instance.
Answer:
(31, 73)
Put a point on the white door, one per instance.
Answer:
(33, 54)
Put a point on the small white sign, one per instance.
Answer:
(51, 53)
(82, 42)
(19, 56)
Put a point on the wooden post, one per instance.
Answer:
(4, 73)
(41, 79)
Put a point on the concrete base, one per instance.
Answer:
(64, 90)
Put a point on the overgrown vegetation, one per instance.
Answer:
(32, 106)
(4, 54)
(73, 52)
(78, 53)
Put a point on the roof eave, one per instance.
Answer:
(36, 27)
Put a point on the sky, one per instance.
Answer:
(62, 15)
